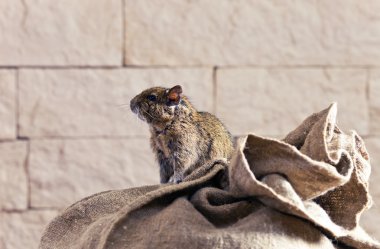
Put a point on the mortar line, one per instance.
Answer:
(81, 138)
(27, 172)
(17, 103)
(9, 140)
(295, 66)
(20, 211)
(52, 138)
(368, 98)
(215, 89)
(42, 67)
(318, 66)
(104, 67)
(367, 82)
(123, 33)
(371, 136)
(8, 67)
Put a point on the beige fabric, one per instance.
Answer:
(306, 191)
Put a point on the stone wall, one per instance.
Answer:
(68, 70)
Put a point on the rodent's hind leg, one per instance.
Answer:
(181, 163)
(166, 168)
(164, 178)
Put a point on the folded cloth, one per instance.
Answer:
(305, 191)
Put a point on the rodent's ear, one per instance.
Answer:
(174, 95)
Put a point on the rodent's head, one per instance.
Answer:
(159, 105)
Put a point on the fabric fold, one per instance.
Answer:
(317, 172)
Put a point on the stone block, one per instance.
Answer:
(13, 178)
(24, 229)
(374, 101)
(65, 171)
(275, 101)
(222, 32)
(7, 104)
(87, 32)
(371, 218)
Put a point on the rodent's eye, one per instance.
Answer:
(151, 97)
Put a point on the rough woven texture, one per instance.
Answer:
(306, 191)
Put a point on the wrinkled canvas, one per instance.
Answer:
(307, 190)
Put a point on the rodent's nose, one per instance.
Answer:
(133, 105)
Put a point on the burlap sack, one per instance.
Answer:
(306, 191)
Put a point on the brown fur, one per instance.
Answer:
(182, 138)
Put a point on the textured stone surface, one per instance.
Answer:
(371, 218)
(64, 171)
(374, 101)
(23, 230)
(7, 104)
(96, 102)
(13, 179)
(275, 101)
(71, 32)
(222, 32)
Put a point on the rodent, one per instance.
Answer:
(182, 138)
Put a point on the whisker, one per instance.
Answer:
(120, 105)
(123, 107)
(149, 114)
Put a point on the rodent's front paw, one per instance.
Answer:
(171, 180)
(176, 178)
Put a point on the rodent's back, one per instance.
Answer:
(216, 138)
